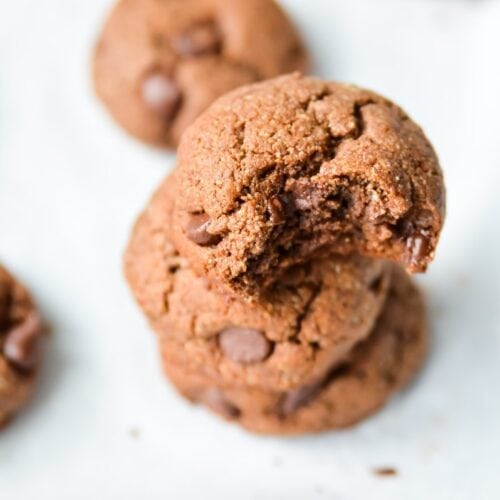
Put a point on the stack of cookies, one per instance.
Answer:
(273, 263)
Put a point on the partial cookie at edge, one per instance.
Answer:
(20, 332)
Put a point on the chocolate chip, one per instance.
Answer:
(376, 284)
(214, 398)
(244, 345)
(293, 400)
(21, 344)
(197, 231)
(200, 40)
(417, 247)
(161, 94)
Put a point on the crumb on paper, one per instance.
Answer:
(134, 432)
(385, 471)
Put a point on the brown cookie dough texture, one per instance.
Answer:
(279, 171)
(306, 323)
(20, 332)
(344, 395)
(159, 63)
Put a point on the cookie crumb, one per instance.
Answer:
(385, 471)
(134, 432)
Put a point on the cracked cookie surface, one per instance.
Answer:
(306, 323)
(159, 63)
(376, 368)
(280, 171)
(20, 332)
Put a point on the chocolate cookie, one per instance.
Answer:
(159, 64)
(346, 394)
(306, 322)
(279, 171)
(20, 332)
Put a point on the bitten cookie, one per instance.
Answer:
(348, 393)
(159, 64)
(279, 171)
(20, 332)
(308, 321)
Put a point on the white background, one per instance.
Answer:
(104, 423)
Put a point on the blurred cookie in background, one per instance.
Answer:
(158, 65)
